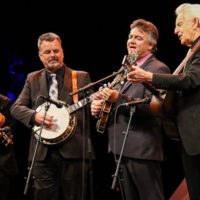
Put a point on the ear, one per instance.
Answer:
(151, 46)
(39, 53)
(196, 23)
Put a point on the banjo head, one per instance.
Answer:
(63, 127)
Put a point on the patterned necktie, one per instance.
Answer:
(53, 91)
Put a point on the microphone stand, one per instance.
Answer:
(83, 89)
(132, 110)
(89, 143)
(35, 151)
(122, 69)
(89, 158)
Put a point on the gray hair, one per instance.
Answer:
(189, 10)
(150, 29)
(48, 37)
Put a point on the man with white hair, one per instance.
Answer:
(186, 83)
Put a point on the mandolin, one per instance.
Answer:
(161, 103)
(5, 139)
(119, 80)
(106, 107)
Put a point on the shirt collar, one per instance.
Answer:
(142, 60)
(59, 73)
(195, 42)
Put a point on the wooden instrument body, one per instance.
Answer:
(163, 106)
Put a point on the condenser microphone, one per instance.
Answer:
(57, 104)
(135, 102)
(133, 56)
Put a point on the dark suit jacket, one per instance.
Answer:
(24, 108)
(144, 139)
(8, 162)
(187, 85)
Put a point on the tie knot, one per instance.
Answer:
(53, 75)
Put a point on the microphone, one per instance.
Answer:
(133, 56)
(134, 102)
(6, 129)
(57, 104)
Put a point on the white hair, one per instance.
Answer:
(189, 10)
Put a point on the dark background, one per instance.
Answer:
(94, 39)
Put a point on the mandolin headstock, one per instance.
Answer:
(130, 59)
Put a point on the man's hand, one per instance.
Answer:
(108, 94)
(96, 106)
(48, 119)
(138, 75)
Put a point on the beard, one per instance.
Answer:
(52, 65)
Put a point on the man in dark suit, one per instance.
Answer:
(186, 83)
(143, 153)
(59, 169)
(8, 164)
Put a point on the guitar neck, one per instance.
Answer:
(87, 100)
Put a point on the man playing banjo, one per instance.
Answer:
(59, 164)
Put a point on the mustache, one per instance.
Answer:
(52, 59)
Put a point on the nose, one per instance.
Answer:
(176, 30)
(52, 53)
(130, 42)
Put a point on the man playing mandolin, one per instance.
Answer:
(143, 153)
(60, 167)
(186, 82)
(8, 163)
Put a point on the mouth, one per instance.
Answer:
(132, 48)
(180, 37)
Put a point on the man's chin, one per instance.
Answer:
(53, 66)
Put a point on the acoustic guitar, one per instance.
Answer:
(181, 193)
(164, 103)
(163, 106)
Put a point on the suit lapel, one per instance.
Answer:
(67, 87)
(189, 61)
(125, 86)
(43, 84)
(143, 66)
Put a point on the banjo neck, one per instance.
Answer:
(80, 104)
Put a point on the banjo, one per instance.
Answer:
(64, 122)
